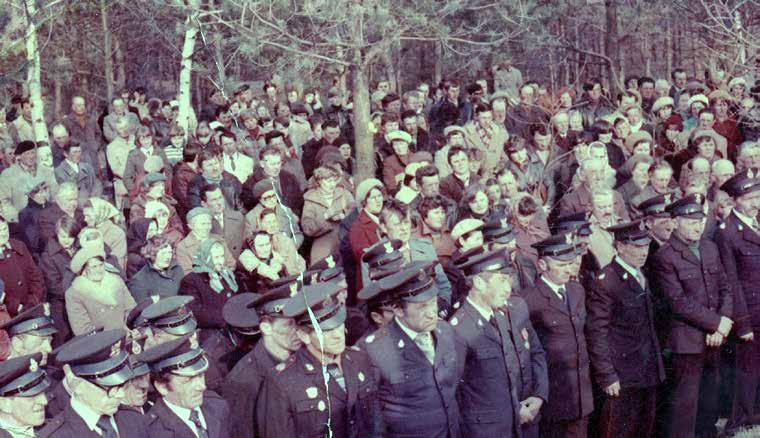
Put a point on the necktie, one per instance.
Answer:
(561, 291)
(337, 374)
(640, 278)
(425, 342)
(202, 433)
(232, 163)
(106, 428)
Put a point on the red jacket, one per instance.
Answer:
(23, 280)
(364, 233)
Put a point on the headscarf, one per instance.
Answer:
(202, 264)
(103, 211)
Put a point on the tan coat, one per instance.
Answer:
(116, 239)
(93, 306)
(324, 231)
(285, 247)
(187, 248)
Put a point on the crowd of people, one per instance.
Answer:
(525, 262)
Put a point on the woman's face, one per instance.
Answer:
(146, 141)
(163, 257)
(640, 174)
(374, 201)
(400, 148)
(565, 101)
(64, 239)
(665, 112)
(269, 224)
(95, 269)
(156, 190)
(162, 219)
(643, 148)
(494, 193)
(479, 204)
(329, 184)
(178, 141)
(269, 199)
(217, 257)
(345, 151)
(706, 149)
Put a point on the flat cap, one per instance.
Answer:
(23, 376)
(153, 178)
(399, 136)
(466, 226)
(261, 187)
(366, 186)
(182, 357)
(662, 102)
(25, 146)
(701, 98)
(689, 207)
(453, 129)
(171, 315)
(632, 233)
(741, 183)
(197, 211)
(100, 358)
(35, 321)
(328, 312)
(720, 95)
(637, 137)
(85, 253)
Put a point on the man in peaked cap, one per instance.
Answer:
(499, 234)
(96, 368)
(738, 240)
(467, 235)
(184, 407)
(22, 396)
(622, 341)
(491, 319)
(579, 225)
(296, 401)
(688, 273)
(657, 220)
(30, 331)
(557, 311)
(168, 319)
(381, 259)
(420, 351)
(243, 385)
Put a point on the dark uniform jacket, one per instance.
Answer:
(166, 424)
(295, 402)
(417, 399)
(739, 248)
(221, 351)
(560, 328)
(207, 305)
(697, 291)
(622, 341)
(68, 424)
(493, 372)
(242, 389)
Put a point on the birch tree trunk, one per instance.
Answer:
(185, 118)
(365, 159)
(107, 49)
(33, 75)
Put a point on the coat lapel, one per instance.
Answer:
(551, 297)
(350, 375)
(213, 422)
(488, 330)
(173, 422)
(685, 251)
(409, 349)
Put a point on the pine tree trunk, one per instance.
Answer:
(365, 159)
(33, 75)
(120, 81)
(107, 49)
(185, 118)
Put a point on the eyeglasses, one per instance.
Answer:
(112, 391)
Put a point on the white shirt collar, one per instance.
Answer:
(484, 312)
(743, 217)
(184, 415)
(89, 416)
(147, 151)
(409, 332)
(554, 287)
(630, 269)
(17, 431)
(73, 165)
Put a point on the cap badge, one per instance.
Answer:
(667, 198)
(194, 341)
(400, 343)
(33, 366)
(369, 339)
(280, 366)
(321, 406)
(311, 392)
(569, 238)
(361, 376)
(46, 309)
(330, 262)
(293, 289)
(309, 367)
(154, 298)
(504, 222)
(115, 349)
(278, 308)
(388, 247)
(456, 305)
(136, 348)
(625, 276)
(750, 173)
(454, 321)
(698, 198)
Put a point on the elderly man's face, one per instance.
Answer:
(647, 90)
(594, 175)
(201, 225)
(561, 123)
(430, 186)
(722, 173)
(603, 209)
(661, 179)
(118, 107)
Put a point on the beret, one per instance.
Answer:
(699, 98)
(399, 136)
(364, 187)
(662, 102)
(197, 211)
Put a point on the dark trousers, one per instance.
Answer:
(565, 429)
(60, 321)
(694, 401)
(631, 414)
(747, 373)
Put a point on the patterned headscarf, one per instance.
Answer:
(202, 264)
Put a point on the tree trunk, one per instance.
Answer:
(120, 81)
(365, 154)
(107, 49)
(611, 46)
(185, 118)
(668, 47)
(438, 76)
(58, 98)
(221, 76)
(33, 75)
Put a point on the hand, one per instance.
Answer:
(613, 390)
(714, 340)
(532, 405)
(749, 337)
(525, 416)
(724, 328)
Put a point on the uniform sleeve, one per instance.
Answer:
(682, 304)
(740, 314)
(599, 305)
(274, 414)
(538, 363)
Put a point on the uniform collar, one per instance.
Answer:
(485, 313)
(409, 332)
(17, 431)
(630, 269)
(87, 415)
(743, 218)
(184, 413)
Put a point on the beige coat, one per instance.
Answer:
(324, 231)
(93, 306)
(187, 248)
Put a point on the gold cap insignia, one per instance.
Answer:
(294, 289)
(46, 309)
(330, 262)
(136, 348)
(311, 392)
(154, 298)
(116, 349)
(569, 238)
(388, 247)
(194, 341)
(698, 198)
(33, 366)
(668, 198)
